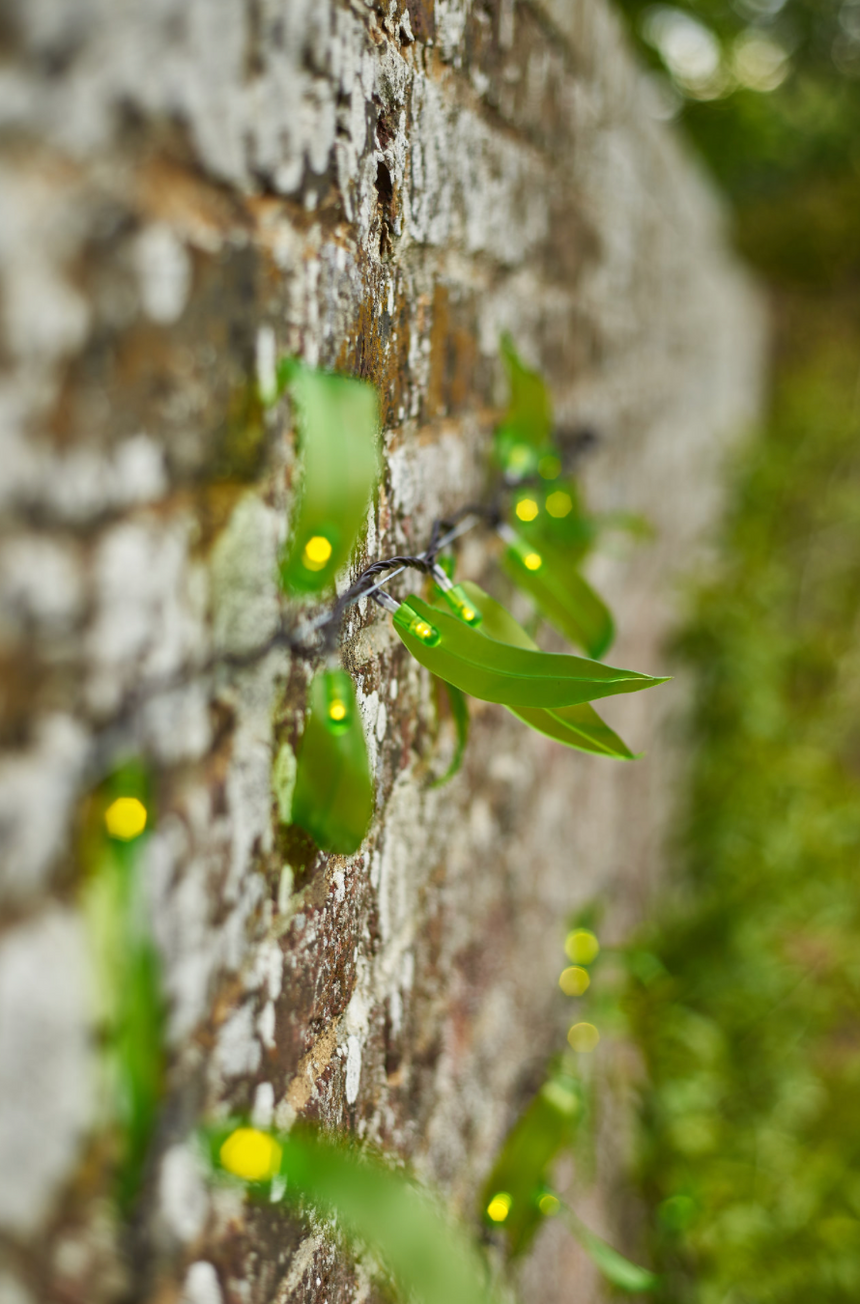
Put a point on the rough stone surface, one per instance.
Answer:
(187, 191)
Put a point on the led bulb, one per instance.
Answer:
(559, 504)
(125, 818)
(457, 598)
(527, 509)
(459, 602)
(316, 553)
(338, 699)
(525, 554)
(251, 1154)
(499, 1207)
(416, 625)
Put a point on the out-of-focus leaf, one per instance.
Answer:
(561, 593)
(429, 1258)
(333, 796)
(500, 672)
(460, 714)
(579, 726)
(543, 1130)
(615, 1268)
(338, 420)
(525, 430)
(555, 513)
(130, 1003)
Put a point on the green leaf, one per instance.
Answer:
(126, 965)
(546, 1126)
(333, 796)
(561, 594)
(460, 713)
(429, 1257)
(338, 420)
(615, 1268)
(579, 726)
(500, 672)
(527, 425)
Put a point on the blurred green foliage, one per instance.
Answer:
(749, 1020)
(747, 1010)
(769, 90)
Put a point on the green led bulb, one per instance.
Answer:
(456, 597)
(338, 701)
(459, 602)
(416, 625)
(520, 551)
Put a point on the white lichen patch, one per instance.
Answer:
(164, 272)
(37, 791)
(202, 1285)
(47, 1067)
(243, 573)
(182, 1191)
(353, 1069)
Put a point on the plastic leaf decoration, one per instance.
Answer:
(546, 1126)
(338, 419)
(574, 726)
(562, 595)
(615, 1268)
(525, 431)
(333, 797)
(500, 672)
(460, 714)
(126, 967)
(428, 1257)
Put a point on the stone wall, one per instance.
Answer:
(189, 188)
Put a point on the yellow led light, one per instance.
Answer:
(468, 613)
(337, 711)
(519, 457)
(527, 509)
(548, 1205)
(499, 1207)
(559, 504)
(316, 553)
(583, 1037)
(407, 618)
(250, 1154)
(533, 561)
(581, 946)
(125, 818)
(574, 981)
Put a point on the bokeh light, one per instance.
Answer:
(316, 552)
(251, 1154)
(125, 818)
(574, 980)
(581, 946)
(559, 504)
(499, 1207)
(583, 1037)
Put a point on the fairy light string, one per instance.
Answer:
(316, 638)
